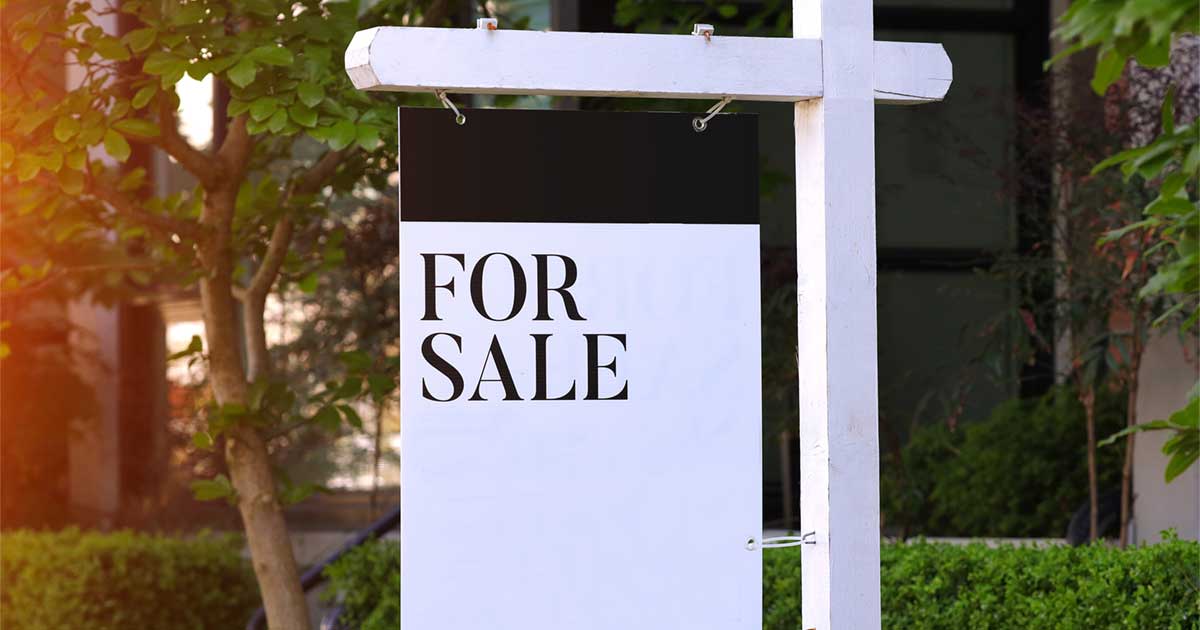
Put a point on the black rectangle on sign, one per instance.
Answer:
(547, 166)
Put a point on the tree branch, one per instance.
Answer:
(191, 158)
(235, 151)
(315, 177)
(281, 237)
(130, 208)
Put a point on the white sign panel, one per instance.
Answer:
(581, 413)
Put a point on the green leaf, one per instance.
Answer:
(308, 284)
(71, 182)
(1108, 70)
(328, 418)
(5, 351)
(263, 108)
(116, 145)
(65, 128)
(381, 385)
(1182, 460)
(186, 14)
(8, 154)
(272, 55)
(161, 63)
(143, 96)
(137, 127)
(278, 121)
(310, 94)
(350, 388)
(111, 48)
(355, 361)
(1175, 205)
(52, 162)
(132, 180)
(218, 487)
(292, 494)
(243, 72)
(77, 159)
(351, 416)
(1154, 56)
(303, 115)
(28, 166)
(342, 135)
(202, 440)
(367, 137)
(262, 8)
(140, 39)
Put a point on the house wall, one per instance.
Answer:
(1169, 371)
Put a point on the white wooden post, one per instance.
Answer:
(838, 370)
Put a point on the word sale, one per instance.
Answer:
(442, 349)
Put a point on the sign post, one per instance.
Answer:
(835, 73)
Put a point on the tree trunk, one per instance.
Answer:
(1088, 397)
(245, 452)
(1135, 364)
(376, 457)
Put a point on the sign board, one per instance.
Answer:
(580, 371)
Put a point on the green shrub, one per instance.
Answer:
(948, 587)
(1021, 472)
(123, 580)
(924, 585)
(367, 581)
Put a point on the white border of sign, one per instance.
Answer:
(835, 73)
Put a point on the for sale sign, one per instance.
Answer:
(580, 371)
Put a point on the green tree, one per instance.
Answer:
(1123, 32)
(298, 136)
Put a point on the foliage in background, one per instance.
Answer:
(352, 308)
(1121, 31)
(123, 580)
(1019, 473)
(769, 18)
(366, 582)
(76, 188)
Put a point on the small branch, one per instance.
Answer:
(130, 208)
(314, 178)
(281, 236)
(264, 278)
(191, 158)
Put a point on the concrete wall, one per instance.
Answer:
(1169, 371)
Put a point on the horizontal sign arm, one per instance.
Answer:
(480, 61)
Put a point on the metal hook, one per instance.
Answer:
(459, 118)
(701, 123)
(779, 542)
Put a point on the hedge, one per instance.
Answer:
(950, 587)
(925, 585)
(123, 580)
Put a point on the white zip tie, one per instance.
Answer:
(700, 124)
(459, 118)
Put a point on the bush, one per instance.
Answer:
(123, 580)
(948, 587)
(367, 582)
(925, 585)
(1022, 472)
